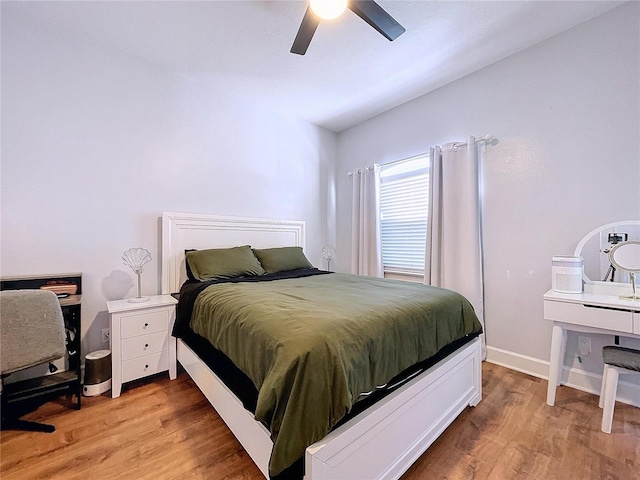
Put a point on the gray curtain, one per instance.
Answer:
(454, 258)
(366, 246)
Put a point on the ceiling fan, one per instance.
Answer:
(368, 10)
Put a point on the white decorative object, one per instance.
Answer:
(381, 442)
(136, 258)
(329, 253)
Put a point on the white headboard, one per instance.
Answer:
(183, 231)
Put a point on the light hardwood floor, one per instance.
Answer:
(163, 429)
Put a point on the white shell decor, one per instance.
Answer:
(136, 258)
(329, 252)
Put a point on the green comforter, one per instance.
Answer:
(312, 345)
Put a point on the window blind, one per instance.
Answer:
(404, 203)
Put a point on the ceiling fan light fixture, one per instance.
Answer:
(328, 9)
(367, 10)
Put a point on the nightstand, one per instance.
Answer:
(140, 340)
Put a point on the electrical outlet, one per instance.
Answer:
(105, 335)
(584, 345)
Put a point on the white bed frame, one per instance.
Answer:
(380, 443)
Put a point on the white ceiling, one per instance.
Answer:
(350, 72)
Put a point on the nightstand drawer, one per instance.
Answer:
(144, 345)
(146, 365)
(144, 323)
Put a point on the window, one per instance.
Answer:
(404, 203)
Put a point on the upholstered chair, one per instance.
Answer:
(31, 333)
(617, 360)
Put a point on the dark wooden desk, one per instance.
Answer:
(64, 381)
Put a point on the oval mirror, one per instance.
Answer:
(626, 256)
(596, 246)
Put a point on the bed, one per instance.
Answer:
(383, 440)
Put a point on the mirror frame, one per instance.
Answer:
(617, 247)
(619, 266)
(578, 251)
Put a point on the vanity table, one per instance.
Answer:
(597, 310)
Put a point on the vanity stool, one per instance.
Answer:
(617, 360)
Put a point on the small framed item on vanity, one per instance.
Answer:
(140, 340)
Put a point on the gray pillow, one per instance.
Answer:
(282, 259)
(216, 263)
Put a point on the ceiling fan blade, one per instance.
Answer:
(305, 33)
(377, 17)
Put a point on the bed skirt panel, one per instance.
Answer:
(383, 441)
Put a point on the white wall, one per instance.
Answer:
(96, 144)
(566, 114)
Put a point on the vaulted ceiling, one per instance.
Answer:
(350, 72)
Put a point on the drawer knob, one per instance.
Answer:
(146, 366)
(146, 345)
(146, 325)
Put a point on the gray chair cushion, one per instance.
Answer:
(628, 358)
(31, 329)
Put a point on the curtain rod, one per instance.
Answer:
(402, 160)
(357, 170)
(486, 138)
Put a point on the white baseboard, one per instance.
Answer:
(628, 393)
